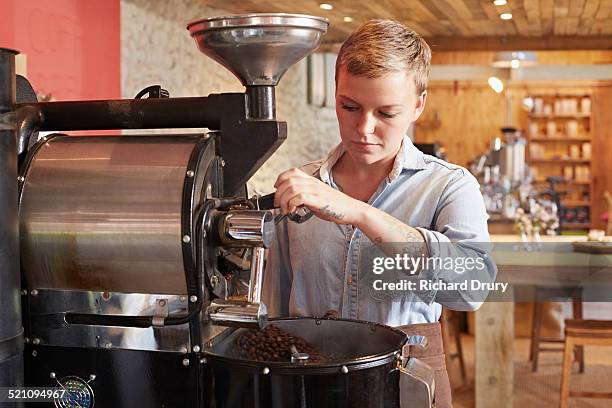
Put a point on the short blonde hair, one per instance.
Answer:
(382, 46)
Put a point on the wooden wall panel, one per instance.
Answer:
(466, 116)
(544, 57)
(602, 152)
(469, 116)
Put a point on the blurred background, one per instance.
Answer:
(520, 94)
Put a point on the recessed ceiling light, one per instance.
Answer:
(514, 64)
(500, 2)
(348, 19)
(326, 6)
(496, 84)
(506, 16)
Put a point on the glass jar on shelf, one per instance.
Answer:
(585, 105)
(571, 128)
(551, 128)
(586, 151)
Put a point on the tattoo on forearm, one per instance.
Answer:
(412, 235)
(412, 242)
(330, 213)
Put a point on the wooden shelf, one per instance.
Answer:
(570, 183)
(552, 148)
(561, 161)
(560, 116)
(560, 139)
(573, 203)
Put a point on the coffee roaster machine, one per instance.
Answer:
(129, 264)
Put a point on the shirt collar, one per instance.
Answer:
(408, 158)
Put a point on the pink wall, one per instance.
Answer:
(72, 46)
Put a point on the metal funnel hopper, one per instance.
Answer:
(258, 48)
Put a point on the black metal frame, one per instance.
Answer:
(11, 330)
(233, 114)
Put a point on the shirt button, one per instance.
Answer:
(349, 280)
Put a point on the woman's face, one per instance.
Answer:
(374, 114)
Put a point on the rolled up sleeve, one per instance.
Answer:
(460, 231)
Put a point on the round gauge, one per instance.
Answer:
(78, 393)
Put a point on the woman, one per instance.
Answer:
(376, 189)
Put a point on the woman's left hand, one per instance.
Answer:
(296, 188)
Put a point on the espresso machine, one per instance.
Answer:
(135, 262)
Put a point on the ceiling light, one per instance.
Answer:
(326, 6)
(506, 16)
(348, 19)
(514, 59)
(500, 2)
(496, 84)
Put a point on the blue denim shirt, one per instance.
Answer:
(314, 268)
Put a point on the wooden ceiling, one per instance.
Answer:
(460, 24)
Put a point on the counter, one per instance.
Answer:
(494, 321)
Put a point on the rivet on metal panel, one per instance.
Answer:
(92, 377)
(51, 374)
(222, 162)
(190, 173)
(266, 371)
(24, 292)
(203, 361)
(185, 362)
(344, 369)
(34, 353)
(183, 299)
(196, 349)
(21, 179)
(183, 350)
(193, 298)
(34, 292)
(186, 239)
(36, 340)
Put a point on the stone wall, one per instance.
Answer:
(157, 49)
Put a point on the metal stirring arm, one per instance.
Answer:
(244, 228)
(257, 270)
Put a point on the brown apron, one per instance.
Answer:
(434, 356)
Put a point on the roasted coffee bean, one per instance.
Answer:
(274, 344)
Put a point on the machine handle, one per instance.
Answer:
(417, 385)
